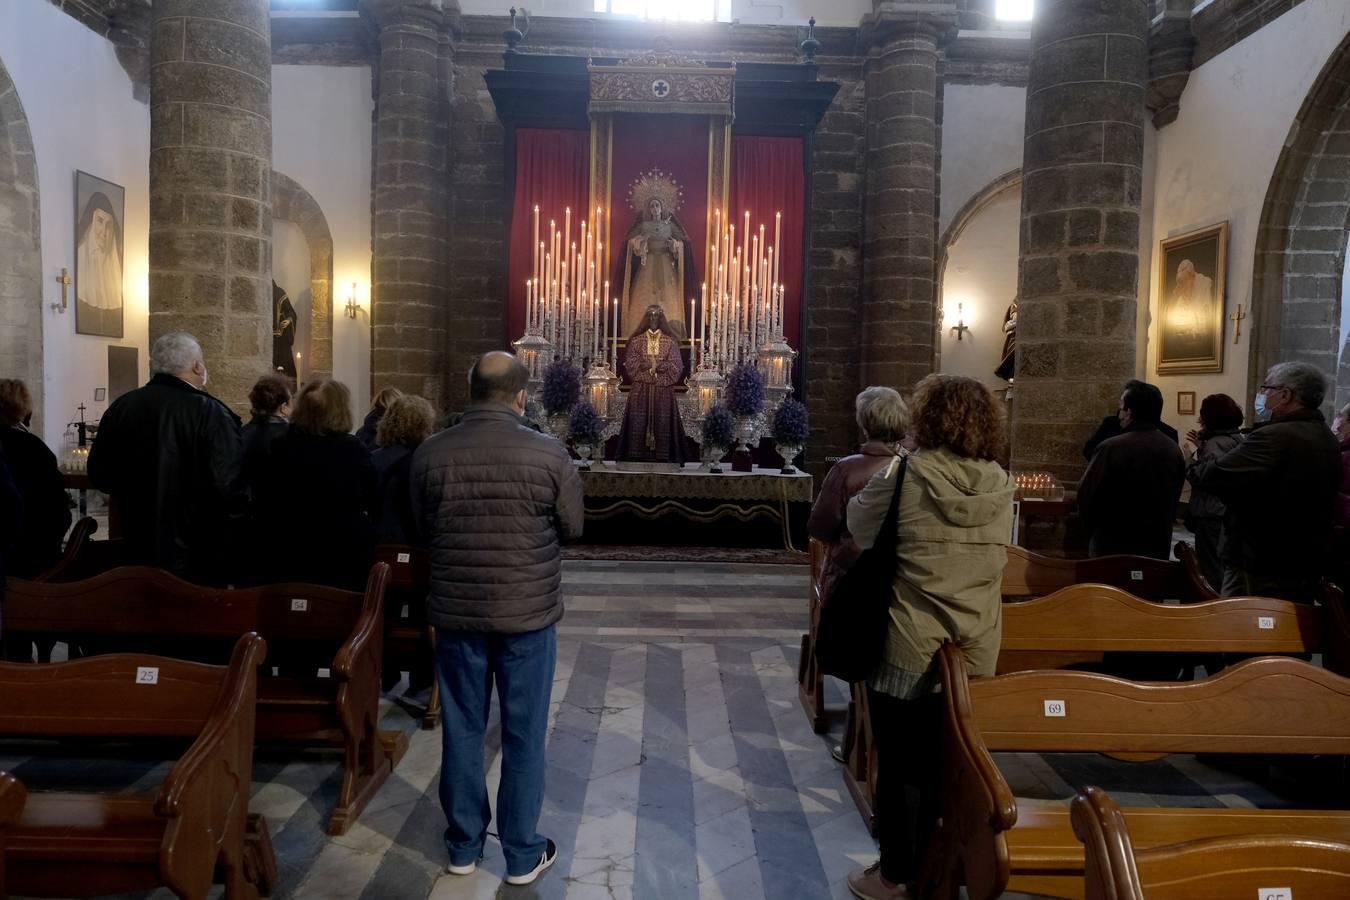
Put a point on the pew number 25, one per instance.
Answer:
(1054, 709)
(147, 674)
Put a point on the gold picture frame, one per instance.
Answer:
(1192, 284)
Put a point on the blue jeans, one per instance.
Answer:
(467, 663)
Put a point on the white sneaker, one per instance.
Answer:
(550, 855)
(467, 869)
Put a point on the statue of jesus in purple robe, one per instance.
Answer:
(652, 430)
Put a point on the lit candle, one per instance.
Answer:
(702, 324)
(689, 330)
(616, 334)
(535, 242)
(745, 237)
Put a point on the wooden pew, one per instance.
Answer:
(85, 557)
(179, 835)
(409, 643)
(1267, 705)
(1028, 575)
(1201, 588)
(1237, 866)
(12, 799)
(308, 628)
(1080, 624)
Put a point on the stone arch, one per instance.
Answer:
(1301, 244)
(964, 216)
(292, 203)
(20, 249)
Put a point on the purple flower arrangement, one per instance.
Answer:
(719, 428)
(562, 387)
(744, 391)
(790, 426)
(585, 425)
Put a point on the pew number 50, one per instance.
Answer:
(1054, 709)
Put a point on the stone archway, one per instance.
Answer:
(1301, 245)
(20, 249)
(992, 191)
(292, 203)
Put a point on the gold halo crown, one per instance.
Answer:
(655, 185)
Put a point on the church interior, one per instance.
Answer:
(710, 232)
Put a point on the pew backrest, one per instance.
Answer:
(1028, 574)
(1236, 866)
(1201, 589)
(1266, 705)
(138, 602)
(1102, 618)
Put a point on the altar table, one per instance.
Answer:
(635, 503)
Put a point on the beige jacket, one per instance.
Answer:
(955, 521)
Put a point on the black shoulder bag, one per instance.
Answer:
(854, 619)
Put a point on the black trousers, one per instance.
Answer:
(908, 743)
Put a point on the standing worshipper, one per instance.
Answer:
(1128, 495)
(954, 522)
(1279, 488)
(11, 517)
(494, 500)
(270, 403)
(46, 505)
(407, 423)
(168, 454)
(1220, 419)
(318, 493)
(652, 429)
(383, 400)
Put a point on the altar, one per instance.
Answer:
(636, 503)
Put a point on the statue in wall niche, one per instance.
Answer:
(658, 258)
(283, 332)
(1005, 368)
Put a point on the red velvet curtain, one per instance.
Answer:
(552, 172)
(768, 177)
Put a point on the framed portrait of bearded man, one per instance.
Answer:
(100, 216)
(1191, 283)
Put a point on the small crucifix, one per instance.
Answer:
(1237, 318)
(64, 280)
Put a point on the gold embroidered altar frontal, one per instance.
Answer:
(688, 506)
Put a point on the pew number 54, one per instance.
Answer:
(1055, 709)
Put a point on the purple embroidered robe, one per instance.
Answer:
(652, 430)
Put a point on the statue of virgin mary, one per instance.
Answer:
(658, 258)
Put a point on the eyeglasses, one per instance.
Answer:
(1272, 387)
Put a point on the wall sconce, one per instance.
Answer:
(352, 307)
(961, 328)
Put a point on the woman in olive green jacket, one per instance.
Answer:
(954, 524)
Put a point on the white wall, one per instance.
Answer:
(1215, 163)
(321, 138)
(981, 274)
(982, 133)
(82, 116)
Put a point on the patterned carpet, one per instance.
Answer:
(680, 762)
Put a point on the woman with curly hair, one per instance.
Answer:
(408, 422)
(955, 520)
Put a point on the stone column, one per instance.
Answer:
(408, 287)
(1082, 176)
(900, 222)
(210, 185)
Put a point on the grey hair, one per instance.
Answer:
(173, 353)
(1306, 382)
(882, 414)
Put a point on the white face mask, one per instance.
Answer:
(1262, 413)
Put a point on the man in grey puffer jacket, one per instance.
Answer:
(494, 500)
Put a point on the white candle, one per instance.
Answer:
(702, 324)
(616, 334)
(689, 330)
(535, 243)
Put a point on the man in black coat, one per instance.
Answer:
(168, 453)
(1111, 427)
(1128, 496)
(1279, 487)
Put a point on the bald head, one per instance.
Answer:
(498, 377)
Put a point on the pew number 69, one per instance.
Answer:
(1054, 709)
(1274, 894)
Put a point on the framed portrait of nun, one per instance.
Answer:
(100, 214)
